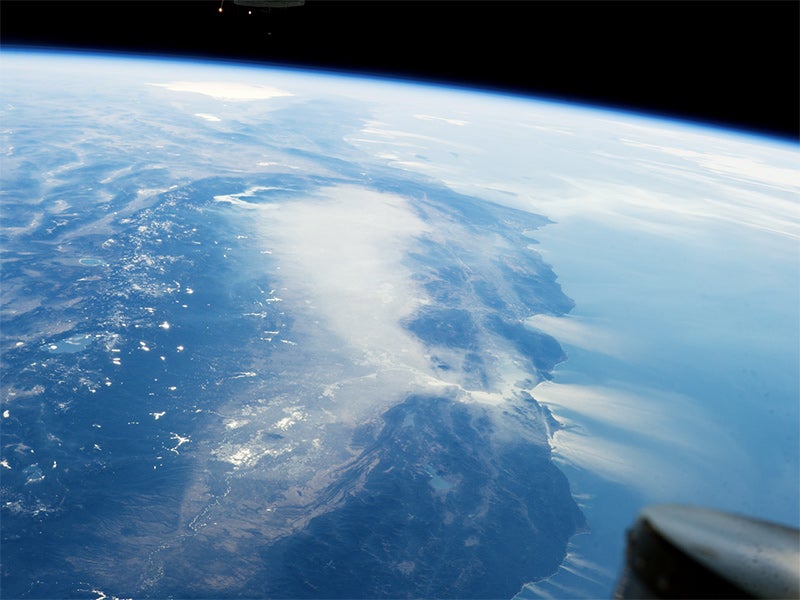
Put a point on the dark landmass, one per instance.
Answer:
(450, 327)
(542, 350)
(435, 508)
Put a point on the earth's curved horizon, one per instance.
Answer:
(283, 333)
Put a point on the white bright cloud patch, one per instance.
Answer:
(225, 90)
(342, 256)
(580, 332)
(646, 439)
(677, 216)
(459, 122)
(738, 166)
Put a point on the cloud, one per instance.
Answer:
(458, 122)
(208, 117)
(342, 254)
(731, 165)
(374, 131)
(337, 260)
(661, 444)
(580, 332)
(225, 90)
(634, 177)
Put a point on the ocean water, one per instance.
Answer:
(681, 383)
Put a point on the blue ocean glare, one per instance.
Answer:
(708, 321)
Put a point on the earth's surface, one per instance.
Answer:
(271, 333)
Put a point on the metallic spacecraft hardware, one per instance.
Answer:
(677, 551)
(269, 3)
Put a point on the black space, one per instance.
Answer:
(735, 64)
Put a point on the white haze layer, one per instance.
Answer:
(341, 256)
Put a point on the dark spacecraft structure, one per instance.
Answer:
(677, 551)
(267, 4)
(260, 8)
(263, 7)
